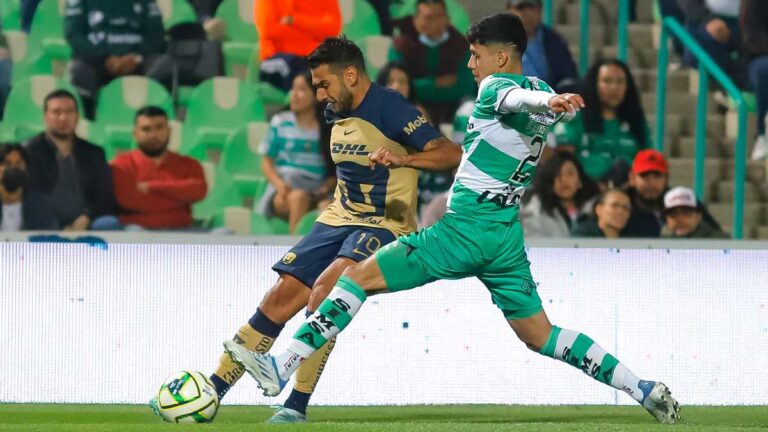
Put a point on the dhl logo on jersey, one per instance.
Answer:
(349, 149)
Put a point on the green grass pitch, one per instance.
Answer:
(443, 418)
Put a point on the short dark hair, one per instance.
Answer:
(8, 148)
(431, 2)
(504, 28)
(58, 94)
(337, 53)
(150, 111)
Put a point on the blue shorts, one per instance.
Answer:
(324, 243)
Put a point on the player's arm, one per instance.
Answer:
(439, 154)
(522, 100)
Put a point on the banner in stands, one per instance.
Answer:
(85, 324)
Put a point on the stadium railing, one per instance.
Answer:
(622, 28)
(707, 67)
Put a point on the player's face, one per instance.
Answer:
(682, 221)
(331, 88)
(611, 86)
(614, 211)
(398, 81)
(649, 185)
(567, 182)
(61, 117)
(152, 134)
(302, 97)
(482, 61)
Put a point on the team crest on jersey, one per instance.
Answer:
(289, 258)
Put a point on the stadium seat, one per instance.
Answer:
(359, 20)
(456, 12)
(28, 57)
(222, 192)
(378, 52)
(219, 106)
(243, 221)
(241, 158)
(24, 107)
(48, 29)
(242, 42)
(118, 102)
(190, 145)
(176, 12)
(305, 224)
(10, 15)
(277, 226)
(91, 132)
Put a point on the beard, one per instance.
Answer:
(153, 152)
(61, 135)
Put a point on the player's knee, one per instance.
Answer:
(298, 195)
(532, 343)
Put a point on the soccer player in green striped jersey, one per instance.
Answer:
(480, 234)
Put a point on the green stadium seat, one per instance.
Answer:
(10, 15)
(359, 20)
(48, 29)
(91, 132)
(241, 45)
(120, 99)
(277, 225)
(176, 12)
(190, 144)
(24, 107)
(222, 192)
(28, 57)
(456, 12)
(378, 52)
(220, 106)
(305, 224)
(241, 158)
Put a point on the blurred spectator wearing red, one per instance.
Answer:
(111, 39)
(436, 56)
(547, 55)
(288, 31)
(155, 187)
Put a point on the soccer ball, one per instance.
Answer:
(188, 397)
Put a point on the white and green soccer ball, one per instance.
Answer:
(187, 397)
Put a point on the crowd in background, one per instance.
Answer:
(599, 176)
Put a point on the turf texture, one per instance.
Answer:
(443, 418)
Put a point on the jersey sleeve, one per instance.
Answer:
(269, 146)
(405, 124)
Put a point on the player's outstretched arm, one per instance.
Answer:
(440, 154)
(524, 100)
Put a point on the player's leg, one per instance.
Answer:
(294, 409)
(509, 280)
(299, 269)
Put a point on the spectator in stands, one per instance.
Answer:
(111, 39)
(647, 184)
(684, 217)
(156, 187)
(28, 8)
(19, 209)
(561, 196)
(610, 217)
(607, 134)
(215, 28)
(294, 161)
(289, 31)
(70, 174)
(431, 184)
(547, 55)
(436, 56)
(6, 67)
(714, 24)
(754, 28)
(382, 12)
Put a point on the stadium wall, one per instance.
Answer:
(85, 324)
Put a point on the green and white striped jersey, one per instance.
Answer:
(501, 151)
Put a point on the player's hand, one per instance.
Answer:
(566, 103)
(719, 30)
(142, 187)
(385, 157)
(283, 189)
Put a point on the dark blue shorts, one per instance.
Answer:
(324, 243)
